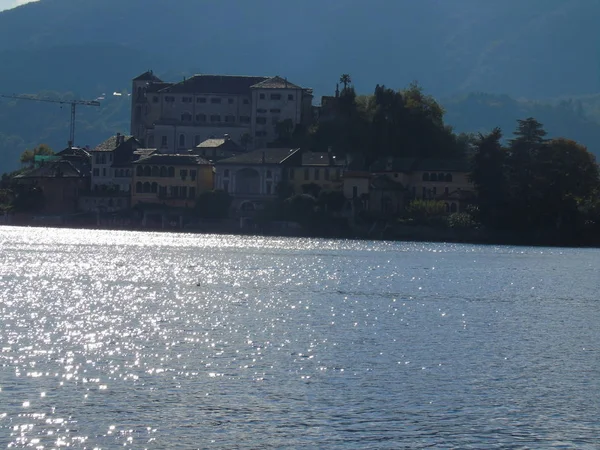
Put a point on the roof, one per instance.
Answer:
(222, 143)
(110, 144)
(143, 152)
(55, 169)
(261, 156)
(275, 83)
(385, 183)
(157, 86)
(173, 160)
(74, 151)
(147, 76)
(443, 165)
(215, 84)
(320, 159)
(392, 164)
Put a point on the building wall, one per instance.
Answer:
(271, 106)
(230, 178)
(355, 186)
(167, 138)
(101, 169)
(328, 178)
(168, 189)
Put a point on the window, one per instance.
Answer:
(147, 171)
(171, 172)
(230, 119)
(103, 172)
(215, 118)
(155, 171)
(269, 187)
(226, 186)
(244, 119)
(446, 190)
(201, 118)
(154, 187)
(163, 171)
(354, 191)
(186, 117)
(275, 110)
(183, 191)
(317, 174)
(261, 120)
(215, 100)
(261, 96)
(138, 187)
(163, 141)
(193, 175)
(96, 172)
(326, 174)
(260, 133)
(147, 187)
(261, 111)
(155, 99)
(192, 192)
(201, 100)
(275, 96)
(433, 177)
(246, 101)
(269, 174)
(183, 174)
(424, 193)
(449, 178)
(425, 177)
(434, 191)
(182, 140)
(306, 174)
(290, 96)
(162, 191)
(169, 99)
(174, 191)
(186, 99)
(226, 173)
(230, 101)
(291, 174)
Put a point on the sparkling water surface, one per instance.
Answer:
(156, 340)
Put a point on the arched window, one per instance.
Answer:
(449, 178)
(433, 177)
(147, 171)
(441, 177)
(182, 140)
(163, 171)
(139, 171)
(146, 187)
(139, 187)
(425, 176)
(171, 172)
(155, 171)
(453, 208)
(154, 188)
(447, 207)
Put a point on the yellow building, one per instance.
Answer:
(171, 180)
(321, 169)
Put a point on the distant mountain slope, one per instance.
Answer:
(533, 48)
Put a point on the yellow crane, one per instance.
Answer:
(73, 104)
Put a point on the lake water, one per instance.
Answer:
(156, 340)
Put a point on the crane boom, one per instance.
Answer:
(73, 104)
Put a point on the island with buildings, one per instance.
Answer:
(231, 154)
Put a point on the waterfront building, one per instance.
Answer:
(176, 117)
(253, 178)
(111, 163)
(317, 171)
(217, 148)
(171, 181)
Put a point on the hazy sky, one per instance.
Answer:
(7, 4)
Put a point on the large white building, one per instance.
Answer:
(175, 117)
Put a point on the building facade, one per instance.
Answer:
(176, 117)
(316, 169)
(173, 181)
(111, 164)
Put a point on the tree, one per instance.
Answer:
(345, 80)
(28, 156)
(488, 174)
